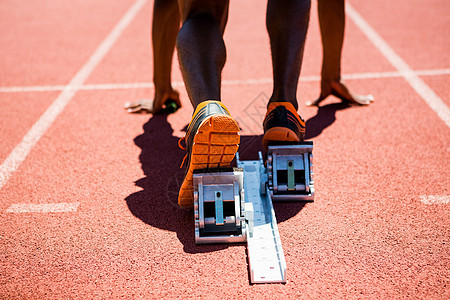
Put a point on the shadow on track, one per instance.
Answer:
(325, 117)
(156, 204)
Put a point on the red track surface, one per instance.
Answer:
(371, 232)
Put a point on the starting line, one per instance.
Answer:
(150, 85)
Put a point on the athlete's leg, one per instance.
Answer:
(201, 49)
(332, 26)
(287, 23)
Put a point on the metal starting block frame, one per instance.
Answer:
(236, 205)
(219, 207)
(289, 172)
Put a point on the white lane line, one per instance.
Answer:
(43, 208)
(140, 85)
(433, 72)
(421, 88)
(20, 152)
(435, 199)
(85, 87)
(35, 88)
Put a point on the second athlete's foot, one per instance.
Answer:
(341, 91)
(212, 140)
(282, 124)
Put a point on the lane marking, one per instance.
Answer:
(139, 85)
(421, 88)
(35, 88)
(43, 208)
(20, 152)
(435, 199)
(374, 75)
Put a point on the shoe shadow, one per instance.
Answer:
(326, 115)
(157, 203)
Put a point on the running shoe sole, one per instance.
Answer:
(214, 146)
(279, 134)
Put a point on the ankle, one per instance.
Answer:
(293, 102)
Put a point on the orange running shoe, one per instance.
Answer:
(212, 140)
(282, 124)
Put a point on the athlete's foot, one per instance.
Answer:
(212, 140)
(158, 105)
(341, 91)
(282, 124)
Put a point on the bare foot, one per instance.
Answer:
(156, 106)
(339, 90)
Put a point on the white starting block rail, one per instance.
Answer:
(236, 206)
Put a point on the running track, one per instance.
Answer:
(88, 192)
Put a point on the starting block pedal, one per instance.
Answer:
(235, 205)
(219, 207)
(290, 172)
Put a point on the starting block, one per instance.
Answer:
(235, 206)
(219, 207)
(289, 172)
